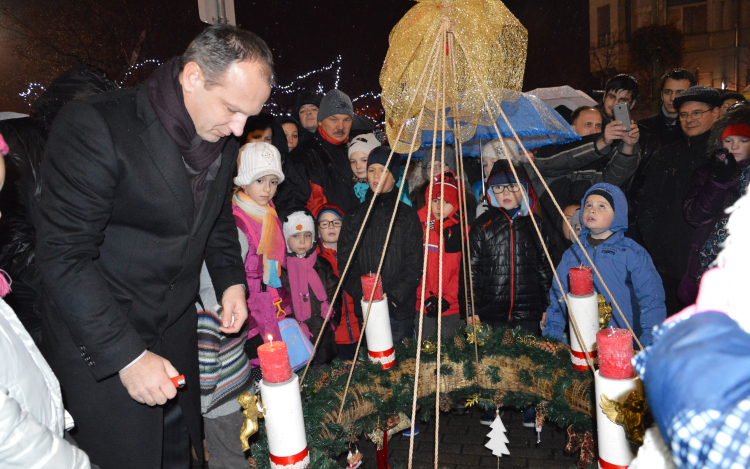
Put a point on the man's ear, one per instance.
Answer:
(192, 77)
(716, 112)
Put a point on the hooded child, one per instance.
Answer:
(443, 205)
(311, 281)
(625, 266)
(329, 221)
(402, 265)
(260, 232)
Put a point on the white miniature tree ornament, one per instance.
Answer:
(497, 437)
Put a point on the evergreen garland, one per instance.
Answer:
(327, 440)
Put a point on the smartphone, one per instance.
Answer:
(622, 114)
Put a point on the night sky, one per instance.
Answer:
(307, 35)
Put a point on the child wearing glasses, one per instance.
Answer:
(329, 221)
(510, 272)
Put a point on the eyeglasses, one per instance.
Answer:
(694, 114)
(333, 224)
(510, 187)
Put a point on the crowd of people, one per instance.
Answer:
(166, 229)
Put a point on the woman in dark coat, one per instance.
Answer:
(715, 187)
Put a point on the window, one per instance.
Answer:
(602, 22)
(694, 19)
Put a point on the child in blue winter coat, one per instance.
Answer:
(625, 266)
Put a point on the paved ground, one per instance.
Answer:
(462, 440)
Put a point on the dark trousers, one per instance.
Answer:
(401, 329)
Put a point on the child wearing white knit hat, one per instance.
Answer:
(257, 160)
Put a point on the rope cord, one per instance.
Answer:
(465, 247)
(359, 235)
(390, 226)
(424, 279)
(441, 248)
(531, 215)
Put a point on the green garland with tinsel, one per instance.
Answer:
(322, 389)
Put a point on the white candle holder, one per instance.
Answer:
(585, 310)
(378, 333)
(285, 425)
(615, 451)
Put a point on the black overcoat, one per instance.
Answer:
(120, 250)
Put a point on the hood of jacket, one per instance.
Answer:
(502, 174)
(740, 115)
(620, 222)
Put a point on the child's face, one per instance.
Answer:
(262, 135)
(328, 229)
(508, 196)
(738, 146)
(435, 207)
(568, 212)
(300, 243)
(597, 214)
(378, 175)
(440, 167)
(487, 164)
(358, 160)
(262, 190)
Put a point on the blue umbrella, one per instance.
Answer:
(534, 121)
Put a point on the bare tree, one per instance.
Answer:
(50, 36)
(606, 59)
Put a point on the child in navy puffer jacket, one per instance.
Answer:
(626, 267)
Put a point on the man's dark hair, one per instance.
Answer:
(578, 112)
(220, 46)
(622, 82)
(677, 74)
(732, 95)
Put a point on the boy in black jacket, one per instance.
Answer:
(510, 273)
(402, 266)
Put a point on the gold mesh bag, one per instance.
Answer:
(485, 45)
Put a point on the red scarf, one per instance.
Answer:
(330, 139)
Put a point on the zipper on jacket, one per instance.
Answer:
(512, 271)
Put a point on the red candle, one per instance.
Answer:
(368, 280)
(615, 350)
(274, 362)
(581, 280)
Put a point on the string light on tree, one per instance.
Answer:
(34, 88)
(137, 66)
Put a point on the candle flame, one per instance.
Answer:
(270, 337)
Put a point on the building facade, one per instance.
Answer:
(717, 36)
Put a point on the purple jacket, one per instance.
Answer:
(262, 318)
(704, 205)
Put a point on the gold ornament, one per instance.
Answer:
(252, 462)
(459, 342)
(508, 339)
(397, 423)
(429, 347)
(490, 52)
(605, 312)
(628, 414)
(253, 410)
(472, 400)
(529, 340)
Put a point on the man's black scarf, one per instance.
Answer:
(165, 95)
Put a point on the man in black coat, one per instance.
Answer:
(318, 171)
(665, 183)
(135, 195)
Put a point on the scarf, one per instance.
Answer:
(165, 94)
(330, 139)
(302, 277)
(271, 246)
